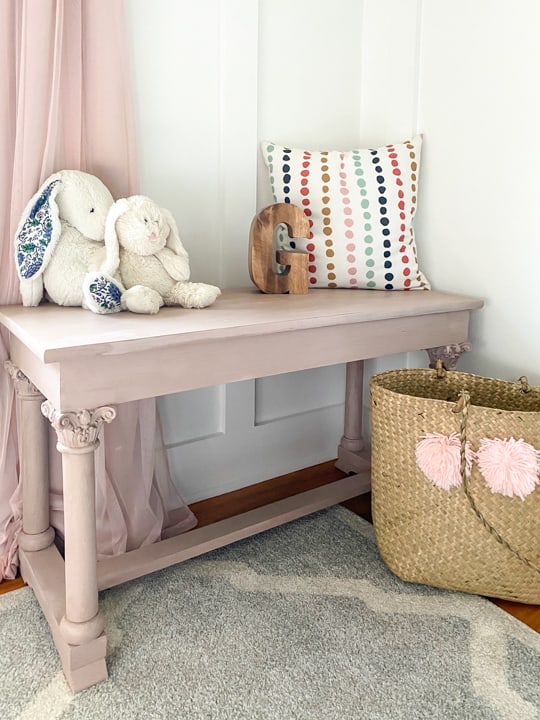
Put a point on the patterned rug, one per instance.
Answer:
(301, 622)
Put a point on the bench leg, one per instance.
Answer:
(36, 533)
(82, 621)
(352, 455)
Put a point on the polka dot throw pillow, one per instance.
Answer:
(360, 205)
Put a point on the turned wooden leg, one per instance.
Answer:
(77, 439)
(36, 533)
(354, 391)
(350, 456)
(447, 354)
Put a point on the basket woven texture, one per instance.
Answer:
(434, 536)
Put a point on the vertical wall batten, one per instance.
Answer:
(419, 37)
(237, 102)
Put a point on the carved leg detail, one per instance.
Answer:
(36, 533)
(448, 354)
(77, 439)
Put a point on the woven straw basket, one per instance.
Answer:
(466, 538)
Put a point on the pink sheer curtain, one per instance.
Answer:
(66, 103)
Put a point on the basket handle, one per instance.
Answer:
(462, 407)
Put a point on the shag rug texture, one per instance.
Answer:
(304, 621)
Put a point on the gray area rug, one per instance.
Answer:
(304, 621)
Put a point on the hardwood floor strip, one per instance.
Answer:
(9, 585)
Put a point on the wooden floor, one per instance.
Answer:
(223, 506)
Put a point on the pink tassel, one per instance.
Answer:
(438, 457)
(509, 466)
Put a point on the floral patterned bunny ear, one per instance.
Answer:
(35, 239)
(102, 293)
(439, 457)
(510, 467)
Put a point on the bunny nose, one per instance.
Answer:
(152, 236)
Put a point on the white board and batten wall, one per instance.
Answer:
(215, 77)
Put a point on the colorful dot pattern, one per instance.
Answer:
(360, 205)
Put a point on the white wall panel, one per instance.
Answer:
(478, 215)
(248, 455)
(239, 32)
(175, 61)
(195, 85)
(192, 415)
(310, 56)
(309, 68)
(390, 45)
(299, 392)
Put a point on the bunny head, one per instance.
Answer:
(83, 202)
(140, 226)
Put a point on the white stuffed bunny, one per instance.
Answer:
(60, 237)
(145, 253)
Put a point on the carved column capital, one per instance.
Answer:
(77, 430)
(23, 386)
(448, 354)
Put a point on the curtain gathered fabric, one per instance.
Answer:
(65, 93)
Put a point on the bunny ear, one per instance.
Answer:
(173, 241)
(38, 230)
(112, 246)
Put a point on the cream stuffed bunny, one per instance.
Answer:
(146, 261)
(60, 237)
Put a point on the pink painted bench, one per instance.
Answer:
(71, 366)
